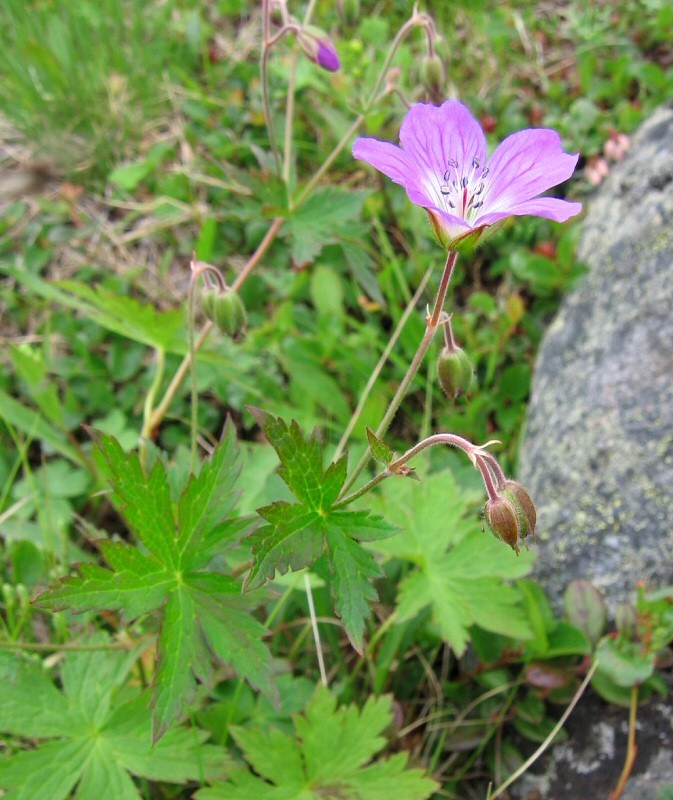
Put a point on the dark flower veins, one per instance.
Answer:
(443, 166)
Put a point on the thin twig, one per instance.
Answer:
(530, 761)
(314, 627)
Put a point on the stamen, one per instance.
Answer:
(475, 163)
(452, 204)
(485, 172)
(479, 204)
(463, 182)
(480, 189)
(453, 163)
(444, 189)
(447, 175)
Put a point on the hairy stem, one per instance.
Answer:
(431, 327)
(411, 305)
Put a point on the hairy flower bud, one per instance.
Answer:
(524, 506)
(318, 47)
(432, 73)
(503, 521)
(226, 310)
(455, 371)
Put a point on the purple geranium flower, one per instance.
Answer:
(443, 166)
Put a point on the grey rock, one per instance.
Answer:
(598, 451)
(590, 762)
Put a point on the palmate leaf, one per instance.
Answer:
(171, 574)
(329, 215)
(329, 756)
(88, 736)
(297, 534)
(460, 571)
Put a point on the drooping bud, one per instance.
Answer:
(318, 47)
(432, 73)
(524, 506)
(455, 371)
(226, 310)
(503, 521)
(585, 608)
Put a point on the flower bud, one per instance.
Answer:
(524, 506)
(455, 372)
(226, 310)
(585, 609)
(626, 621)
(318, 47)
(432, 73)
(502, 519)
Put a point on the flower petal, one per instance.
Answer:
(393, 162)
(524, 166)
(435, 136)
(549, 207)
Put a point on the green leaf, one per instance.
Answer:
(170, 573)
(327, 216)
(379, 448)
(125, 316)
(459, 570)
(302, 463)
(293, 540)
(353, 569)
(328, 756)
(210, 497)
(35, 426)
(298, 533)
(624, 663)
(92, 734)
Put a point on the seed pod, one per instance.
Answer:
(226, 310)
(455, 372)
(524, 506)
(503, 520)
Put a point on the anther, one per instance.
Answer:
(452, 204)
(475, 163)
(479, 204)
(447, 175)
(444, 189)
(453, 163)
(485, 171)
(463, 183)
(480, 189)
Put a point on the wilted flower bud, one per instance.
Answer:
(586, 609)
(524, 506)
(626, 620)
(226, 310)
(432, 73)
(503, 520)
(455, 371)
(318, 47)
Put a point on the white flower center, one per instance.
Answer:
(463, 191)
